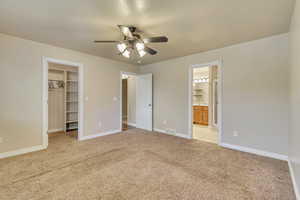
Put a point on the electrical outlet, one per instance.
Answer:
(165, 122)
(100, 124)
(235, 133)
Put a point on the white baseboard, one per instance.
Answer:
(295, 185)
(131, 124)
(174, 134)
(255, 151)
(99, 135)
(55, 130)
(22, 151)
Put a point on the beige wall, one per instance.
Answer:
(255, 92)
(21, 91)
(294, 135)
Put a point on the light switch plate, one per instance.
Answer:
(235, 133)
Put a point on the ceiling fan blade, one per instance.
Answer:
(150, 51)
(126, 31)
(105, 41)
(156, 39)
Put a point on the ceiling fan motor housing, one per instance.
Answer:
(132, 28)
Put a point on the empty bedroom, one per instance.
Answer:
(137, 99)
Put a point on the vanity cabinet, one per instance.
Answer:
(200, 115)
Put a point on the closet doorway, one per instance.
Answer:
(63, 104)
(128, 101)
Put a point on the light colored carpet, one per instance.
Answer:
(138, 165)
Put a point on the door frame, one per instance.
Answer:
(45, 63)
(121, 85)
(213, 100)
(220, 96)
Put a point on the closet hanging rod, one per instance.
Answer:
(54, 80)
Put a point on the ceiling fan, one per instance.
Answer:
(133, 43)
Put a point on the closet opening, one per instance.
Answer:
(63, 104)
(128, 101)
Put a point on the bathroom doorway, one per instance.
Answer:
(205, 101)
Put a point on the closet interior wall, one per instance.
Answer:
(56, 107)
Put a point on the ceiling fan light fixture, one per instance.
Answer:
(140, 46)
(126, 53)
(132, 43)
(121, 47)
(141, 53)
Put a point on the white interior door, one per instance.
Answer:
(144, 102)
